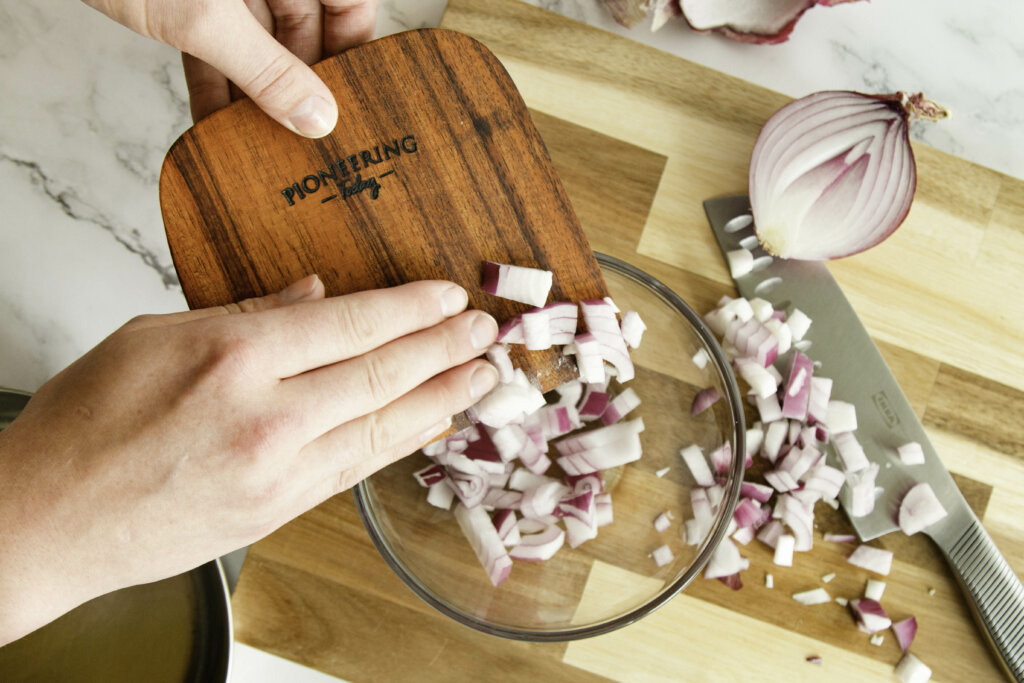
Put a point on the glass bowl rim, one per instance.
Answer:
(729, 499)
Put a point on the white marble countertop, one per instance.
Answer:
(88, 110)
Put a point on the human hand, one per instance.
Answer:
(182, 437)
(260, 46)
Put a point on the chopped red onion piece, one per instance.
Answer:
(500, 499)
(869, 614)
(874, 589)
(799, 461)
(862, 491)
(511, 331)
(632, 328)
(798, 323)
(768, 408)
(814, 659)
(589, 360)
(509, 402)
(602, 457)
(841, 417)
(741, 262)
(905, 630)
(662, 522)
(702, 512)
(585, 482)
(911, 453)
(876, 639)
(770, 533)
(663, 555)
(541, 500)
(525, 285)
(850, 452)
(505, 523)
(533, 458)
(816, 596)
(825, 480)
(662, 472)
(744, 536)
(533, 526)
(828, 578)
(483, 537)
(570, 392)
(601, 322)
(603, 514)
(620, 406)
(782, 334)
(694, 459)
(747, 512)
(701, 358)
(430, 475)
(540, 546)
(919, 509)
(704, 399)
(759, 492)
(840, 538)
(725, 561)
(798, 388)
(781, 480)
(536, 330)
(817, 403)
(498, 355)
(721, 459)
(910, 669)
(872, 559)
(441, 495)
(773, 438)
(761, 380)
(784, 546)
(599, 437)
(523, 479)
(562, 320)
(579, 531)
(715, 494)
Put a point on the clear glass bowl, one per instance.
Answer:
(611, 580)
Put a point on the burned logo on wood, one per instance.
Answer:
(344, 177)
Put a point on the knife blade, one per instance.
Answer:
(842, 350)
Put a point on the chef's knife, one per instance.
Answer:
(885, 421)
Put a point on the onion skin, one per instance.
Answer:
(833, 173)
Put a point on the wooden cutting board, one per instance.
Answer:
(434, 167)
(639, 139)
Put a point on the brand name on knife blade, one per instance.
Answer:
(344, 177)
(885, 409)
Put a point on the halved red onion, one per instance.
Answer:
(869, 614)
(905, 630)
(919, 509)
(525, 285)
(833, 173)
(748, 22)
(872, 559)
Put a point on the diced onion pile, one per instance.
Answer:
(799, 419)
(499, 472)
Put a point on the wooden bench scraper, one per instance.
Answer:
(434, 167)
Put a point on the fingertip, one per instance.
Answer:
(306, 289)
(314, 117)
(483, 379)
(454, 300)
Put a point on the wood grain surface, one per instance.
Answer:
(435, 166)
(639, 139)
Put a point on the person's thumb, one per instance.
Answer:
(278, 82)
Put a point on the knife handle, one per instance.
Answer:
(994, 592)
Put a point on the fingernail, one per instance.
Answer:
(297, 291)
(313, 118)
(453, 300)
(483, 332)
(483, 380)
(441, 426)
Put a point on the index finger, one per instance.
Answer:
(348, 23)
(305, 336)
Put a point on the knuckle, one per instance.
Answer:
(273, 79)
(144, 320)
(380, 376)
(231, 357)
(357, 321)
(378, 433)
